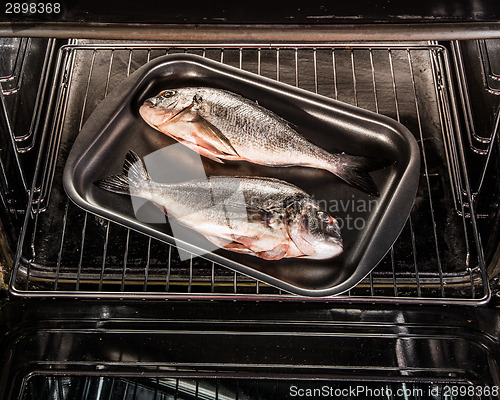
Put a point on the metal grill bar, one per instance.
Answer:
(489, 77)
(406, 272)
(334, 76)
(60, 96)
(125, 255)
(296, 67)
(426, 168)
(489, 153)
(474, 138)
(444, 65)
(476, 129)
(315, 62)
(167, 286)
(146, 272)
(10, 83)
(414, 251)
(277, 64)
(88, 86)
(59, 256)
(452, 154)
(11, 137)
(394, 281)
(25, 134)
(80, 262)
(13, 188)
(373, 80)
(486, 54)
(354, 85)
(27, 139)
(104, 252)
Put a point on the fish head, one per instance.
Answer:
(315, 233)
(161, 108)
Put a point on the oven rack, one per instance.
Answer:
(13, 60)
(479, 140)
(13, 185)
(26, 64)
(480, 130)
(32, 67)
(491, 78)
(66, 252)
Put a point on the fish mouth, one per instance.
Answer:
(326, 252)
(337, 237)
(329, 247)
(302, 244)
(336, 241)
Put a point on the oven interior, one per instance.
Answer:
(446, 93)
(440, 255)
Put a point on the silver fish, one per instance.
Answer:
(222, 125)
(264, 217)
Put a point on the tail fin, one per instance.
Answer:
(134, 170)
(354, 170)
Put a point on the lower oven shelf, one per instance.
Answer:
(162, 388)
(65, 251)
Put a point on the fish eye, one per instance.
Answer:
(167, 93)
(325, 217)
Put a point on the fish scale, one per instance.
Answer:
(222, 125)
(263, 217)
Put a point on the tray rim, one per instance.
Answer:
(411, 172)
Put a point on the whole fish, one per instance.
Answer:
(264, 217)
(222, 125)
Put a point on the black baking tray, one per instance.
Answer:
(369, 225)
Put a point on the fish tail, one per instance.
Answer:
(134, 171)
(355, 171)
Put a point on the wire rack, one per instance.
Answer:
(491, 77)
(25, 64)
(65, 251)
(474, 64)
(13, 61)
(28, 62)
(479, 139)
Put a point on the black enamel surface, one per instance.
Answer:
(116, 127)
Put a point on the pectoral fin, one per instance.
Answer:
(205, 134)
(186, 115)
(243, 245)
(231, 245)
(205, 153)
(274, 254)
(213, 138)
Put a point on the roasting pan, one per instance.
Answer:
(369, 225)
